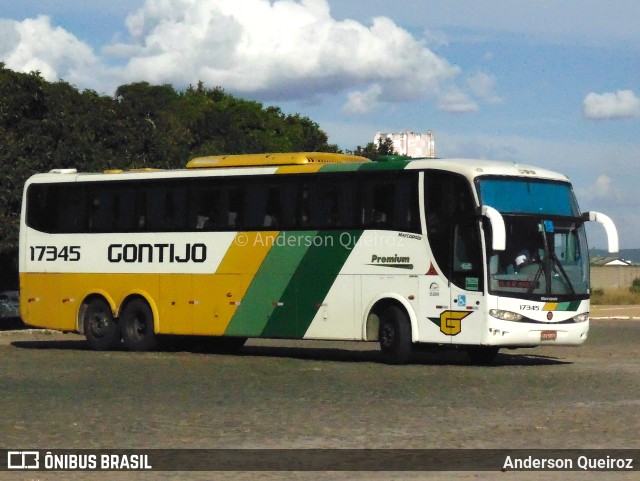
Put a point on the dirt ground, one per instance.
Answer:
(289, 394)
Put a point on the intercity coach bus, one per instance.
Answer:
(471, 254)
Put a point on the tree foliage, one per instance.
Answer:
(46, 125)
(373, 151)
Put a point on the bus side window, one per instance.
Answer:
(332, 202)
(302, 210)
(40, 202)
(255, 205)
(206, 206)
(234, 209)
(56, 208)
(406, 207)
(71, 215)
(324, 194)
(124, 205)
(288, 195)
(102, 213)
(378, 202)
(273, 211)
(165, 207)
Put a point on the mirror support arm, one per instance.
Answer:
(499, 237)
(609, 227)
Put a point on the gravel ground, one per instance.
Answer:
(289, 394)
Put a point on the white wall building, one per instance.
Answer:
(410, 143)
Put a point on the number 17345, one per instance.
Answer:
(54, 253)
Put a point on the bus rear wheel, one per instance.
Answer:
(395, 336)
(137, 327)
(100, 328)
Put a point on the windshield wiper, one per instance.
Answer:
(563, 273)
(550, 265)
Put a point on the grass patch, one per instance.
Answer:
(611, 297)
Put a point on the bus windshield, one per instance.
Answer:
(546, 252)
(526, 196)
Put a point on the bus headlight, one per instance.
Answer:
(505, 315)
(581, 317)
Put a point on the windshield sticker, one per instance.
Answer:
(471, 283)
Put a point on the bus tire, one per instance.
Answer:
(137, 327)
(482, 355)
(100, 328)
(395, 336)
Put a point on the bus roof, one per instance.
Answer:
(256, 160)
(472, 168)
(308, 162)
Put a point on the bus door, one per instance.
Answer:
(436, 307)
(455, 294)
(466, 286)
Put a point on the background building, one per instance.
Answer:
(410, 143)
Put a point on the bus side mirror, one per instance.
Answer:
(499, 237)
(609, 227)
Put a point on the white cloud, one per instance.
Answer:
(279, 50)
(610, 105)
(35, 45)
(483, 86)
(601, 187)
(456, 101)
(363, 102)
(269, 49)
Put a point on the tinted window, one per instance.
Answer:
(526, 196)
(383, 200)
(449, 203)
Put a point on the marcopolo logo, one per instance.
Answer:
(395, 261)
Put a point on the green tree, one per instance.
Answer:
(373, 151)
(46, 125)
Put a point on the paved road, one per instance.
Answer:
(58, 394)
(615, 312)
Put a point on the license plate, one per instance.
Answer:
(548, 335)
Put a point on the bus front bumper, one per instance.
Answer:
(524, 334)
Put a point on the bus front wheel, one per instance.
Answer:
(137, 327)
(395, 336)
(100, 328)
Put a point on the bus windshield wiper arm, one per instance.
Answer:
(563, 273)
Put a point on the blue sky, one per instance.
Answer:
(548, 83)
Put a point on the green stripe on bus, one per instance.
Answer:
(390, 165)
(568, 306)
(268, 285)
(340, 167)
(310, 284)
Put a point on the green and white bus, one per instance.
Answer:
(472, 254)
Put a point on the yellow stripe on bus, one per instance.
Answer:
(184, 303)
(299, 169)
(232, 279)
